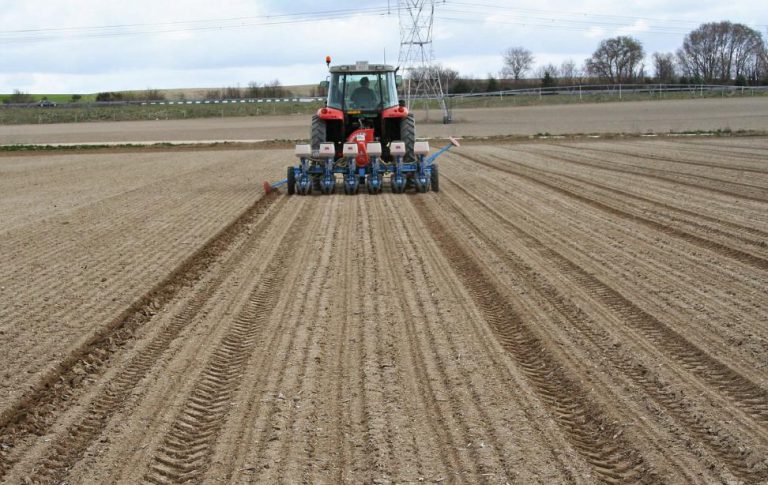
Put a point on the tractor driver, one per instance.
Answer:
(363, 96)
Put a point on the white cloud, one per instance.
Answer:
(637, 27)
(470, 38)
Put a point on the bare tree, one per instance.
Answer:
(20, 97)
(232, 92)
(569, 72)
(254, 90)
(664, 67)
(720, 51)
(274, 89)
(550, 70)
(213, 94)
(446, 75)
(517, 61)
(619, 59)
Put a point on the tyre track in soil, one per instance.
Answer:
(724, 178)
(707, 148)
(729, 300)
(740, 191)
(761, 236)
(185, 451)
(67, 448)
(743, 392)
(37, 411)
(304, 407)
(580, 419)
(277, 425)
(384, 442)
(287, 439)
(625, 261)
(570, 349)
(278, 373)
(59, 279)
(248, 396)
(661, 158)
(450, 289)
(738, 457)
(569, 190)
(231, 456)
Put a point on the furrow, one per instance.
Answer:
(688, 215)
(581, 420)
(282, 375)
(202, 416)
(249, 429)
(431, 390)
(560, 187)
(758, 194)
(744, 393)
(708, 148)
(36, 414)
(742, 461)
(697, 163)
(298, 450)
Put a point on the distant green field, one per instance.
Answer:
(56, 98)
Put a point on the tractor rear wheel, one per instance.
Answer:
(317, 133)
(434, 179)
(291, 181)
(408, 136)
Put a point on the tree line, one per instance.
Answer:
(716, 52)
(255, 90)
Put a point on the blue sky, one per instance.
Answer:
(97, 45)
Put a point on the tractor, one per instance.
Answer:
(363, 133)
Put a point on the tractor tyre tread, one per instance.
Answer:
(408, 136)
(435, 178)
(291, 183)
(317, 133)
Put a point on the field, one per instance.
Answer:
(114, 113)
(628, 117)
(561, 311)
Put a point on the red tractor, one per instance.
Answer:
(363, 134)
(363, 107)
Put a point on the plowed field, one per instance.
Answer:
(558, 312)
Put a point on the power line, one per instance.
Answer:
(449, 11)
(138, 29)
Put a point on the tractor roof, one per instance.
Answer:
(362, 66)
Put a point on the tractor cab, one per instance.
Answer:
(362, 105)
(365, 88)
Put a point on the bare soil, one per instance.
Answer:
(558, 312)
(626, 117)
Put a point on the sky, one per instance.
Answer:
(87, 46)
